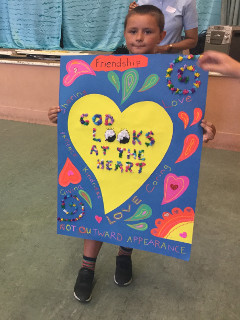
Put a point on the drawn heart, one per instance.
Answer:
(183, 235)
(99, 219)
(118, 185)
(174, 187)
(75, 69)
(69, 174)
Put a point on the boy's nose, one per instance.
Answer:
(139, 36)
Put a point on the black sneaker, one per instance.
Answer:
(123, 273)
(84, 285)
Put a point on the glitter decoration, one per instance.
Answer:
(129, 81)
(86, 197)
(129, 166)
(94, 149)
(180, 73)
(180, 76)
(114, 79)
(120, 150)
(149, 137)
(109, 120)
(63, 206)
(94, 136)
(108, 164)
(119, 165)
(129, 154)
(84, 122)
(99, 121)
(150, 82)
(143, 212)
(136, 136)
(104, 149)
(140, 155)
(140, 165)
(100, 164)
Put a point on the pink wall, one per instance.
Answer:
(27, 92)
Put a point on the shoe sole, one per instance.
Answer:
(89, 299)
(124, 284)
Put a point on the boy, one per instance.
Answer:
(143, 30)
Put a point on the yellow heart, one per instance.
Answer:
(145, 116)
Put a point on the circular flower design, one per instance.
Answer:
(180, 76)
(63, 205)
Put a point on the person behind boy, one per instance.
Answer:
(143, 30)
(179, 15)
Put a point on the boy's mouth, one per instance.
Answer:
(136, 46)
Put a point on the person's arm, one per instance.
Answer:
(219, 62)
(190, 41)
(53, 114)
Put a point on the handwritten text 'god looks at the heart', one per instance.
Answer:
(111, 138)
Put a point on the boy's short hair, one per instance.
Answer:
(147, 9)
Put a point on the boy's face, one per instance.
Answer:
(142, 34)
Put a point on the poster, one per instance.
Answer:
(129, 149)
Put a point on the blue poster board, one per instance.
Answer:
(129, 149)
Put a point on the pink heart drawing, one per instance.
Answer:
(183, 235)
(70, 173)
(99, 219)
(75, 69)
(174, 187)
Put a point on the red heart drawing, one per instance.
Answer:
(99, 219)
(174, 187)
(69, 174)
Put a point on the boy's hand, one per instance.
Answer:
(133, 5)
(53, 114)
(209, 130)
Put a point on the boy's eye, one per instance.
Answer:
(132, 31)
(148, 31)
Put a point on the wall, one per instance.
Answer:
(27, 92)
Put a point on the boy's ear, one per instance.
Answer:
(162, 36)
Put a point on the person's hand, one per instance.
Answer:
(53, 114)
(209, 130)
(133, 5)
(219, 62)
